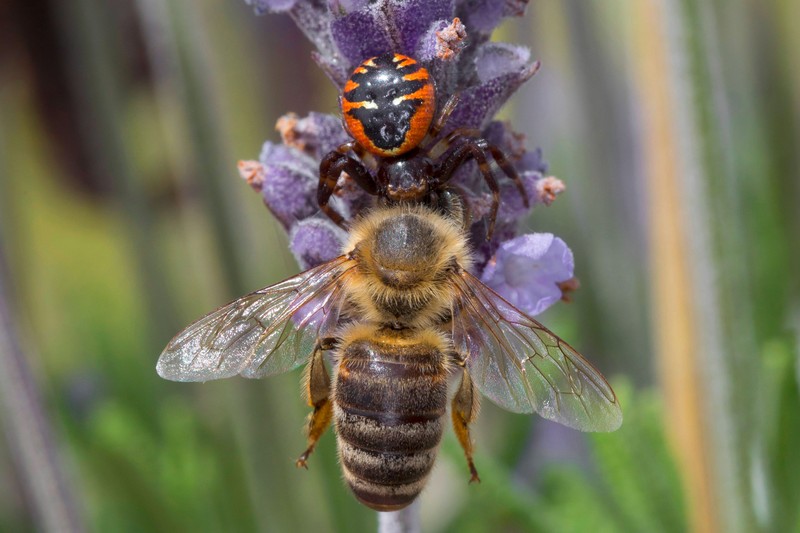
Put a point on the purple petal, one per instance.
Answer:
(500, 134)
(314, 20)
(334, 68)
(498, 59)
(484, 250)
(289, 183)
(317, 134)
(512, 204)
(360, 35)
(533, 161)
(480, 16)
(514, 8)
(480, 102)
(526, 270)
(483, 16)
(315, 241)
(413, 18)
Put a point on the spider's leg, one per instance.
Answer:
(331, 167)
(510, 171)
(472, 149)
(351, 146)
(441, 119)
(445, 143)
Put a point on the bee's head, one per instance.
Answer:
(405, 250)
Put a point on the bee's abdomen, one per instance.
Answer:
(389, 404)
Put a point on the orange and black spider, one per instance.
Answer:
(388, 109)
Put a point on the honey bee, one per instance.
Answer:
(400, 313)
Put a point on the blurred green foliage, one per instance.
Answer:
(154, 228)
(634, 486)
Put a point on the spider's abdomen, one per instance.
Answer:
(388, 104)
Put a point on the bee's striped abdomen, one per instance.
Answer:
(389, 404)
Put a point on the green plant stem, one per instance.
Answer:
(402, 521)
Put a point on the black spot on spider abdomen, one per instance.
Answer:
(386, 130)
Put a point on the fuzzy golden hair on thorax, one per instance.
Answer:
(405, 257)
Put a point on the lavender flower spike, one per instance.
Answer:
(451, 39)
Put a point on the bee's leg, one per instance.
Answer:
(464, 411)
(317, 384)
(453, 201)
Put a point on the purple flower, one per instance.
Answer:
(443, 40)
(527, 271)
(451, 38)
(316, 135)
(315, 241)
(499, 71)
(287, 181)
(548, 188)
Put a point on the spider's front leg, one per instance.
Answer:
(472, 149)
(330, 168)
(444, 114)
(510, 171)
(477, 149)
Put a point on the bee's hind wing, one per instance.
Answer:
(524, 367)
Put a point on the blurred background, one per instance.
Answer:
(675, 125)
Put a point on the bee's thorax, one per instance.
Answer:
(405, 259)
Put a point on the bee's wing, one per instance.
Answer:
(267, 332)
(523, 367)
